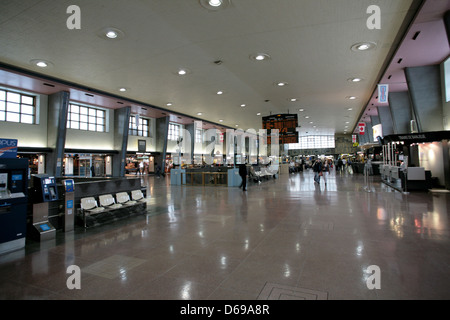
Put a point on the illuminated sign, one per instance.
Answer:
(286, 125)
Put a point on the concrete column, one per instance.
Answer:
(58, 109)
(384, 114)
(424, 85)
(400, 107)
(447, 24)
(121, 127)
(162, 133)
(191, 128)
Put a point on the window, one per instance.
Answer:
(86, 118)
(174, 132)
(17, 107)
(198, 136)
(313, 142)
(142, 128)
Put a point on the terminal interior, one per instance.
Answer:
(125, 128)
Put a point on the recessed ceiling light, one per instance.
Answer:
(41, 63)
(243, 105)
(355, 80)
(220, 120)
(260, 57)
(351, 98)
(281, 84)
(237, 125)
(306, 117)
(219, 92)
(301, 110)
(214, 5)
(199, 113)
(123, 89)
(258, 114)
(293, 99)
(169, 104)
(182, 71)
(350, 109)
(363, 46)
(111, 33)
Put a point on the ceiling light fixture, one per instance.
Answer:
(214, 5)
(301, 110)
(258, 114)
(281, 84)
(351, 98)
(41, 63)
(219, 92)
(260, 57)
(111, 33)
(199, 113)
(220, 120)
(354, 80)
(243, 105)
(363, 46)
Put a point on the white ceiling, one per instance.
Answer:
(308, 41)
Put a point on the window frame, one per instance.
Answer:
(86, 118)
(7, 106)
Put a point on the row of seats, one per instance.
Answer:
(107, 201)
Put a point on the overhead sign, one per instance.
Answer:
(383, 91)
(285, 123)
(362, 128)
(353, 138)
(8, 148)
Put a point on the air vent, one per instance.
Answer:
(89, 95)
(416, 35)
(400, 60)
(49, 85)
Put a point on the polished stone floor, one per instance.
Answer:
(287, 238)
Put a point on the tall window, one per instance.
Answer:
(313, 142)
(142, 129)
(174, 131)
(198, 136)
(86, 118)
(17, 107)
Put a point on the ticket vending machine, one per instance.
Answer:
(69, 205)
(44, 192)
(13, 203)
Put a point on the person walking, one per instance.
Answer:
(317, 168)
(325, 171)
(243, 174)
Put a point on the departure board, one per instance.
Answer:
(286, 125)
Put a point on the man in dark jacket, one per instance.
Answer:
(243, 174)
(317, 168)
